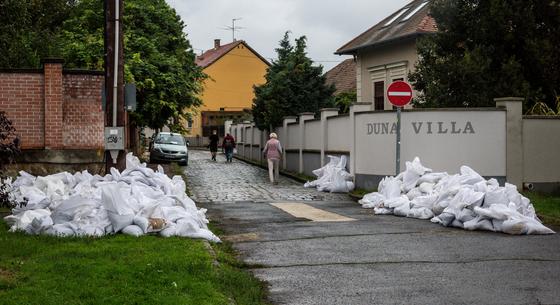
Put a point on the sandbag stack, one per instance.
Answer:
(465, 200)
(332, 177)
(136, 202)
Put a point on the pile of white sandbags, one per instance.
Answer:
(135, 202)
(464, 200)
(332, 177)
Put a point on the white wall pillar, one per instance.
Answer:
(284, 138)
(356, 107)
(325, 113)
(514, 139)
(305, 116)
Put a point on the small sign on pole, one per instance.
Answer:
(399, 94)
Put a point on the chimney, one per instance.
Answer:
(216, 43)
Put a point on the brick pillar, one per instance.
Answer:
(53, 102)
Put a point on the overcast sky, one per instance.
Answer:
(328, 24)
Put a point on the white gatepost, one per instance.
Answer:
(356, 107)
(304, 116)
(514, 138)
(325, 113)
(284, 136)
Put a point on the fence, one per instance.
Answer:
(496, 142)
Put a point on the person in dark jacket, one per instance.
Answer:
(214, 139)
(228, 145)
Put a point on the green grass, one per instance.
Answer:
(546, 206)
(120, 269)
(361, 192)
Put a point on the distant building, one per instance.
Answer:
(233, 70)
(343, 76)
(387, 51)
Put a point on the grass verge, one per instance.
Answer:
(120, 269)
(546, 206)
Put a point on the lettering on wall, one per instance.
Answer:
(452, 127)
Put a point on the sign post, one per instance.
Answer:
(399, 94)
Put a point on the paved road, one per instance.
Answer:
(361, 258)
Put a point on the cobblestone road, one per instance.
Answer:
(219, 181)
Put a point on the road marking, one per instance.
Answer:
(302, 210)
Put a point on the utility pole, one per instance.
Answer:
(115, 115)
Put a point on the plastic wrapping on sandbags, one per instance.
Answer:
(136, 201)
(332, 177)
(465, 200)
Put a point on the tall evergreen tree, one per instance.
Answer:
(293, 85)
(490, 48)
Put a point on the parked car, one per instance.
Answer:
(169, 147)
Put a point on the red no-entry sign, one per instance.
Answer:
(399, 93)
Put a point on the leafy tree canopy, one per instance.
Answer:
(158, 57)
(293, 85)
(490, 48)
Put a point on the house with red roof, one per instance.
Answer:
(233, 70)
(387, 51)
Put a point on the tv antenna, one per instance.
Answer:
(233, 28)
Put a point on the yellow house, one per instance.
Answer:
(233, 70)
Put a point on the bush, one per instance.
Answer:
(9, 150)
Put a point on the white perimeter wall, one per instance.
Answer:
(339, 133)
(312, 135)
(443, 140)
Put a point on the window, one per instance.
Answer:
(379, 95)
(189, 123)
(419, 7)
(404, 10)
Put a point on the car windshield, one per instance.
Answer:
(170, 139)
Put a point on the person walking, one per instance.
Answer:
(273, 153)
(214, 139)
(228, 145)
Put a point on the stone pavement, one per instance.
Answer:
(309, 255)
(219, 181)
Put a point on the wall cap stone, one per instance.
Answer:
(52, 60)
(509, 99)
(328, 109)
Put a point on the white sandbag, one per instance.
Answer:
(40, 225)
(382, 211)
(24, 219)
(61, 230)
(72, 208)
(426, 187)
(372, 200)
(403, 209)
(420, 213)
(413, 193)
(469, 176)
(412, 173)
(390, 187)
(142, 223)
(133, 230)
(478, 223)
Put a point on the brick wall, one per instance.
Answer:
(21, 97)
(52, 108)
(82, 115)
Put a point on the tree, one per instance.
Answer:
(158, 57)
(344, 100)
(293, 85)
(489, 48)
(29, 31)
(9, 150)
